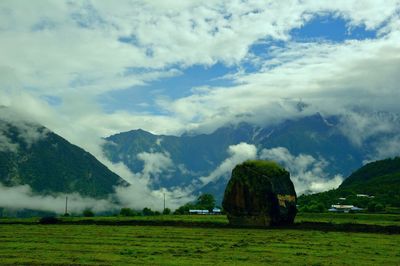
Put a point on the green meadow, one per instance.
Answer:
(25, 242)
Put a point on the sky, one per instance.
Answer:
(89, 69)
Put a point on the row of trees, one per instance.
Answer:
(204, 202)
(145, 212)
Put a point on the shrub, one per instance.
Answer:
(128, 212)
(88, 213)
(206, 201)
(166, 211)
(147, 212)
(185, 208)
(49, 220)
(371, 206)
(379, 207)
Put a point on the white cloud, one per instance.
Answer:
(158, 141)
(75, 53)
(24, 130)
(139, 193)
(386, 147)
(22, 197)
(360, 126)
(138, 196)
(237, 154)
(155, 163)
(307, 172)
(6, 144)
(332, 78)
(324, 185)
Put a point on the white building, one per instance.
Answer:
(199, 212)
(344, 208)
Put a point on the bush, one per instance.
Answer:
(315, 207)
(147, 212)
(166, 211)
(49, 220)
(185, 208)
(379, 207)
(205, 201)
(371, 207)
(128, 212)
(88, 213)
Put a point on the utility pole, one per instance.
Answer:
(164, 202)
(66, 206)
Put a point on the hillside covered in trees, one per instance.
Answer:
(374, 187)
(30, 154)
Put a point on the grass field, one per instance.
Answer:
(75, 244)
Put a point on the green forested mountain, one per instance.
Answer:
(375, 177)
(379, 180)
(31, 154)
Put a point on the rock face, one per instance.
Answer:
(260, 193)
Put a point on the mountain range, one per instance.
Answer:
(313, 148)
(189, 158)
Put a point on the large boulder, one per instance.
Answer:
(260, 193)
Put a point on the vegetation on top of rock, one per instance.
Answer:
(264, 166)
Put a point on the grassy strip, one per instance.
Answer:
(161, 245)
(321, 222)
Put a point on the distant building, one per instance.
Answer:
(342, 198)
(365, 196)
(199, 212)
(216, 211)
(344, 208)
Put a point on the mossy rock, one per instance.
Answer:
(260, 193)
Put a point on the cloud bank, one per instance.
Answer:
(22, 197)
(237, 154)
(80, 52)
(307, 172)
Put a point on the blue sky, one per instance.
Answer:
(331, 28)
(322, 28)
(142, 98)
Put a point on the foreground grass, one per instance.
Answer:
(158, 245)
